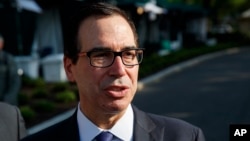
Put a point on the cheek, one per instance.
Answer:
(134, 75)
(84, 73)
(90, 78)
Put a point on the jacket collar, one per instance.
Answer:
(145, 129)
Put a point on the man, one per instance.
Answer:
(103, 62)
(9, 79)
(12, 126)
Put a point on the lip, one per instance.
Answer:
(116, 91)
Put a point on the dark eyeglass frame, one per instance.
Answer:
(139, 51)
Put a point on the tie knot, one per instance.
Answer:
(104, 136)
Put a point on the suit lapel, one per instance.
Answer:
(145, 129)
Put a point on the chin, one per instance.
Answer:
(115, 108)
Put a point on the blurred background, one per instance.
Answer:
(33, 31)
(35, 27)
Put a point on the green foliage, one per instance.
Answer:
(44, 106)
(27, 112)
(39, 93)
(26, 80)
(154, 63)
(66, 97)
(38, 82)
(23, 98)
(43, 100)
(58, 87)
(228, 7)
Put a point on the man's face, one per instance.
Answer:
(105, 90)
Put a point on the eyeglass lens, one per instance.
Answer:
(106, 58)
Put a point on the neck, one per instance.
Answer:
(101, 119)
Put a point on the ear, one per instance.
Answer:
(68, 68)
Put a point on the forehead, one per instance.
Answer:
(105, 31)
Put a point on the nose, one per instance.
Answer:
(117, 68)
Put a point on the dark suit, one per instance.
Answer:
(12, 127)
(148, 127)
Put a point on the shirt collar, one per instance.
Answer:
(123, 129)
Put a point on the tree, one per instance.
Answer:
(228, 7)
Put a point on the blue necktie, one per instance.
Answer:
(104, 136)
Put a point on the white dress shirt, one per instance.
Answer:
(123, 129)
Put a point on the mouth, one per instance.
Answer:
(116, 91)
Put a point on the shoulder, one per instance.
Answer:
(7, 109)
(47, 134)
(177, 128)
(10, 121)
(8, 58)
(65, 130)
(5, 105)
(7, 55)
(173, 128)
(172, 123)
(163, 120)
(8, 113)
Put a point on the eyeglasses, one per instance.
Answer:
(105, 58)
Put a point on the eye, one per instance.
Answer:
(129, 54)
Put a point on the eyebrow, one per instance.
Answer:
(109, 49)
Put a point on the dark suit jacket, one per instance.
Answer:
(148, 127)
(12, 127)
